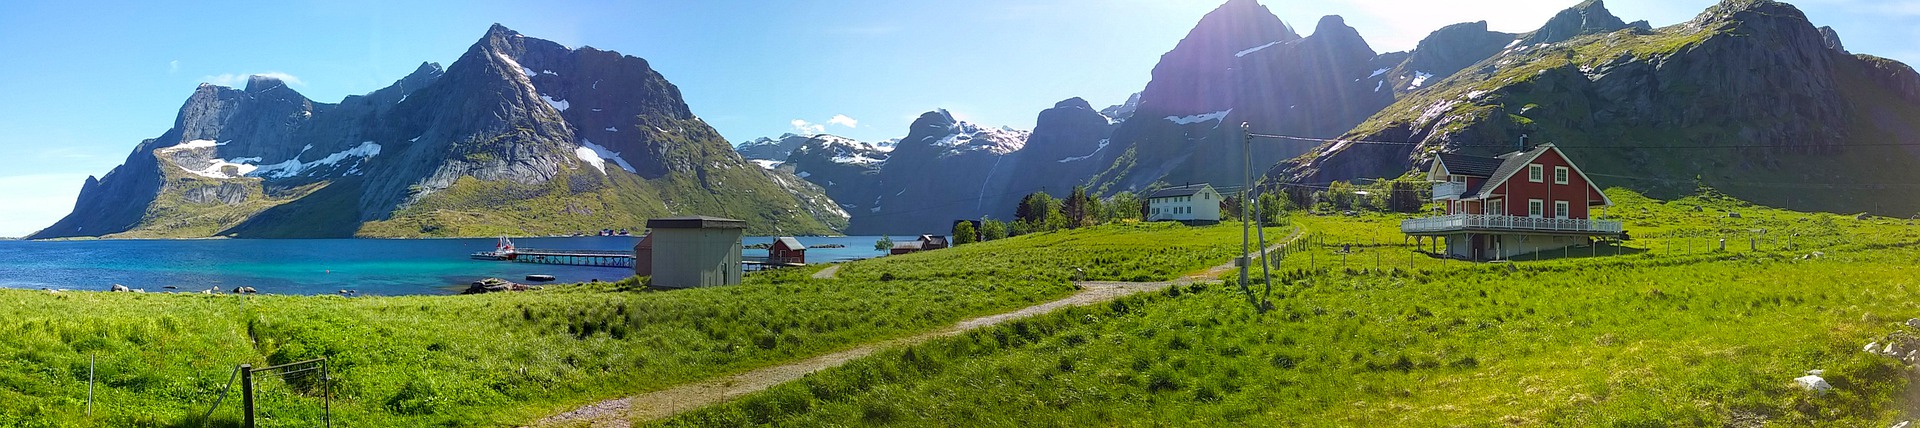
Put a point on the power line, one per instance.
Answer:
(1590, 146)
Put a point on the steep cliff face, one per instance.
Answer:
(1648, 106)
(520, 135)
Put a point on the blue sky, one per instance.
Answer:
(87, 80)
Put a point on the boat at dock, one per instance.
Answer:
(503, 250)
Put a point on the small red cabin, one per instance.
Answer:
(787, 250)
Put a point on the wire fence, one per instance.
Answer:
(301, 377)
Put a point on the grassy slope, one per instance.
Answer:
(584, 201)
(1114, 252)
(1673, 336)
(172, 216)
(503, 358)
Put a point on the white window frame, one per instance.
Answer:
(1559, 175)
(1494, 207)
(1561, 209)
(1536, 173)
(1536, 208)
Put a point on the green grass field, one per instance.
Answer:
(507, 359)
(1672, 333)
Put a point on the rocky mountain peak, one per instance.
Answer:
(1832, 38)
(1455, 47)
(1589, 17)
(261, 83)
(1075, 102)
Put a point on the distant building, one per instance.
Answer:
(787, 250)
(687, 252)
(924, 243)
(1517, 203)
(1191, 204)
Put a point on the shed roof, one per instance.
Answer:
(696, 222)
(792, 244)
(1187, 190)
(1478, 166)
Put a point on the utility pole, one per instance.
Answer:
(1246, 179)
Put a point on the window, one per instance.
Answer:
(1535, 208)
(1560, 209)
(1559, 175)
(1534, 173)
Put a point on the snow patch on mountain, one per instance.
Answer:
(293, 167)
(560, 105)
(1189, 120)
(1245, 52)
(1419, 78)
(597, 155)
(190, 145)
(766, 163)
(1096, 150)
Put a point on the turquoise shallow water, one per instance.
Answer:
(319, 266)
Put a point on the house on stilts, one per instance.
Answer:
(1518, 203)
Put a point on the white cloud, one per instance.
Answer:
(33, 202)
(843, 120)
(801, 126)
(237, 80)
(173, 66)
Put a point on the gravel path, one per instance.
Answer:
(827, 273)
(621, 412)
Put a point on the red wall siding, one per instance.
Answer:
(1576, 192)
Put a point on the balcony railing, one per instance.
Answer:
(1461, 222)
(1447, 190)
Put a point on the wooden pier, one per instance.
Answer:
(616, 258)
(601, 258)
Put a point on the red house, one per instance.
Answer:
(787, 251)
(1517, 203)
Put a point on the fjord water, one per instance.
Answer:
(321, 266)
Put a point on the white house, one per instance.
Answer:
(1189, 203)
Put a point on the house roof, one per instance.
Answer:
(1478, 166)
(1187, 190)
(1517, 161)
(792, 244)
(696, 222)
(932, 239)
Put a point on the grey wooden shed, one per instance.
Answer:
(687, 252)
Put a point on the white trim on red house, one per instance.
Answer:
(1498, 181)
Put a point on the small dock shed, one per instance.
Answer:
(787, 251)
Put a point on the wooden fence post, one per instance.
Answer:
(246, 394)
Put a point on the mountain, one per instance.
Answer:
(768, 152)
(1748, 97)
(519, 135)
(947, 169)
(1242, 64)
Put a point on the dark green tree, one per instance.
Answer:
(1121, 207)
(963, 233)
(991, 229)
(1079, 208)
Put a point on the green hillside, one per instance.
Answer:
(1673, 332)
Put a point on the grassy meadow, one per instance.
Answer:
(1672, 332)
(508, 359)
